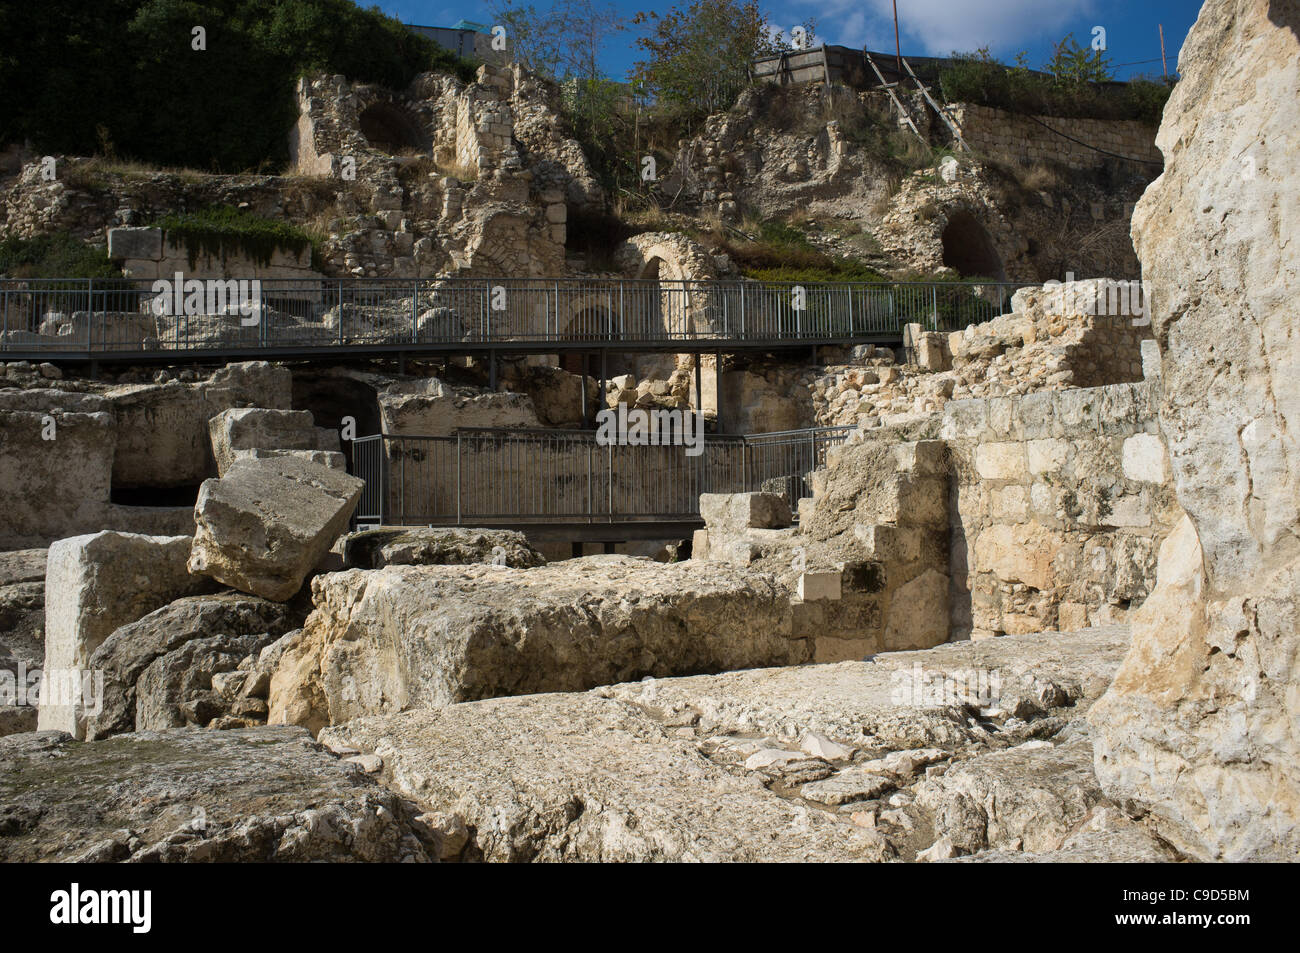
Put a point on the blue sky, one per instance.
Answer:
(928, 27)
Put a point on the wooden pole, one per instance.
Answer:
(1164, 65)
(898, 49)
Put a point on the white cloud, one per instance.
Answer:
(937, 27)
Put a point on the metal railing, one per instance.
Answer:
(95, 316)
(483, 476)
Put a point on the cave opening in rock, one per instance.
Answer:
(392, 128)
(968, 248)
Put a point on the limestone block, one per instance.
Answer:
(736, 512)
(1047, 456)
(1145, 460)
(1002, 461)
(817, 586)
(140, 243)
(93, 584)
(256, 428)
(264, 525)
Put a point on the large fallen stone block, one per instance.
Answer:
(428, 636)
(262, 794)
(237, 431)
(417, 546)
(264, 525)
(158, 671)
(93, 585)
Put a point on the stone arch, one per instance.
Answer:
(393, 128)
(969, 249)
(672, 306)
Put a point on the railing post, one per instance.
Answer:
(609, 457)
(415, 312)
(934, 307)
(90, 310)
(591, 490)
(742, 310)
(458, 465)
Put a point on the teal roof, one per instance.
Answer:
(463, 24)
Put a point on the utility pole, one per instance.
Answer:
(898, 49)
(1164, 65)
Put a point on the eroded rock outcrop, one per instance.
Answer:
(844, 762)
(1200, 726)
(267, 794)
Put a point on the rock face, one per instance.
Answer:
(22, 636)
(266, 794)
(158, 671)
(1199, 727)
(377, 548)
(824, 762)
(264, 525)
(93, 585)
(429, 636)
(237, 432)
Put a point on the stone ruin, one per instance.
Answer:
(1038, 605)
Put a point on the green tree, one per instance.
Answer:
(1075, 64)
(697, 56)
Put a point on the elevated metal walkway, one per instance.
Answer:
(139, 321)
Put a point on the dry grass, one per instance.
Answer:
(1038, 177)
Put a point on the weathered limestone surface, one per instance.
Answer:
(158, 671)
(22, 636)
(1060, 501)
(263, 526)
(738, 766)
(428, 636)
(93, 585)
(239, 431)
(431, 408)
(162, 429)
(56, 465)
(417, 546)
(266, 794)
(1200, 727)
(725, 513)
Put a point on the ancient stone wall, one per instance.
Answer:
(1060, 502)
(150, 253)
(1008, 137)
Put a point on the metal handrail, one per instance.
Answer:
(479, 475)
(121, 316)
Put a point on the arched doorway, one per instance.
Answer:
(968, 248)
(392, 128)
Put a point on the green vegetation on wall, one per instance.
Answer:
(223, 231)
(1075, 85)
(59, 255)
(780, 252)
(123, 77)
